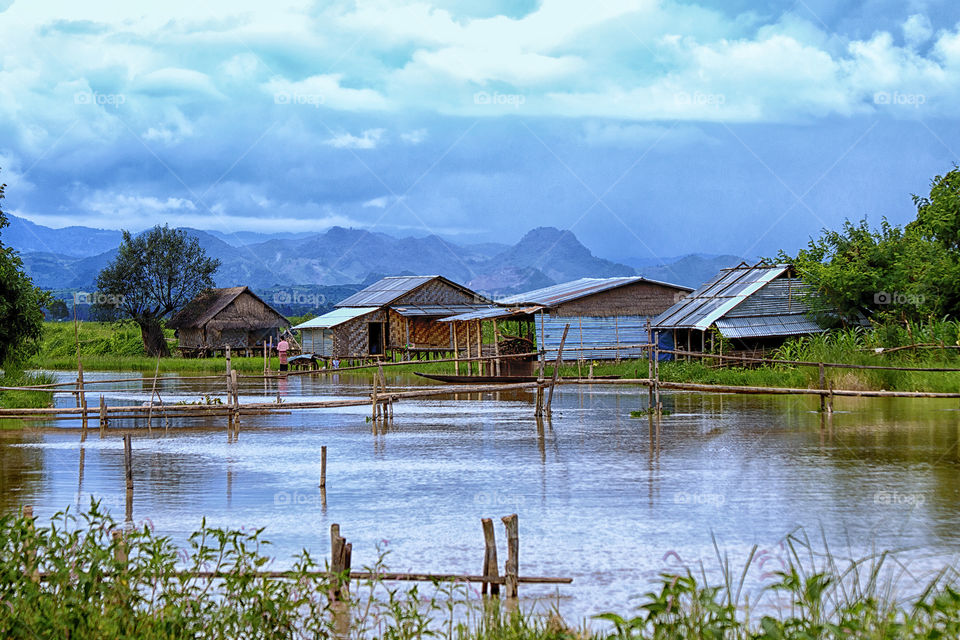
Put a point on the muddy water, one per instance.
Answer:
(601, 497)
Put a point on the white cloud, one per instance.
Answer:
(369, 139)
(323, 90)
(917, 30)
(414, 137)
(378, 203)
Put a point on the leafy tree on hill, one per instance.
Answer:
(154, 274)
(896, 273)
(21, 306)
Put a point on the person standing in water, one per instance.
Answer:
(282, 347)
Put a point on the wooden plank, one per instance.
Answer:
(556, 368)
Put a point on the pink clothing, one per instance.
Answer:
(282, 347)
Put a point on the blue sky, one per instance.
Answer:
(649, 128)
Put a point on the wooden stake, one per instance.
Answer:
(490, 564)
(128, 468)
(496, 345)
(823, 400)
(512, 565)
(264, 357)
(153, 392)
(556, 369)
(456, 349)
(226, 352)
(830, 399)
(479, 348)
(120, 553)
(658, 406)
(103, 415)
(323, 467)
(83, 394)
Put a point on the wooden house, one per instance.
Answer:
(397, 313)
(608, 317)
(234, 317)
(751, 306)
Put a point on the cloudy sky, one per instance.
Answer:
(647, 127)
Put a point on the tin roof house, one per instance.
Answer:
(396, 313)
(608, 317)
(753, 306)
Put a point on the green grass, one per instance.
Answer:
(23, 399)
(104, 581)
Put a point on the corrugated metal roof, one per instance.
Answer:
(436, 310)
(335, 317)
(767, 326)
(488, 313)
(567, 291)
(718, 296)
(385, 291)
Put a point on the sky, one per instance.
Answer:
(649, 128)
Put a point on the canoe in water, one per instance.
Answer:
(455, 379)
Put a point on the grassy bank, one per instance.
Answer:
(97, 585)
(24, 399)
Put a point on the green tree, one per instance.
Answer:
(153, 274)
(21, 306)
(57, 309)
(896, 273)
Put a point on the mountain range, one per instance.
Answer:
(70, 258)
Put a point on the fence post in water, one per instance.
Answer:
(226, 354)
(28, 516)
(456, 348)
(128, 472)
(81, 397)
(103, 415)
(822, 386)
(512, 565)
(496, 347)
(119, 548)
(656, 372)
(650, 404)
(830, 399)
(490, 567)
(323, 467)
(556, 369)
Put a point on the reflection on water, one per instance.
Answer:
(878, 473)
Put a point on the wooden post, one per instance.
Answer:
(490, 567)
(556, 369)
(376, 383)
(658, 407)
(264, 357)
(103, 415)
(226, 353)
(479, 348)
(83, 394)
(496, 345)
(120, 553)
(512, 565)
(456, 348)
(323, 467)
(650, 405)
(340, 553)
(269, 352)
(469, 363)
(31, 556)
(823, 399)
(590, 374)
(128, 469)
(830, 399)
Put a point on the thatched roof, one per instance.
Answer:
(205, 307)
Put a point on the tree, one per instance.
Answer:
(153, 274)
(57, 309)
(21, 306)
(897, 273)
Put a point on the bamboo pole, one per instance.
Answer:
(456, 348)
(650, 404)
(657, 406)
(556, 369)
(82, 393)
(226, 353)
(323, 467)
(153, 392)
(496, 346)
(128, 474)
(490, 564)
(822, 384)
(479, 347)
(103, 415)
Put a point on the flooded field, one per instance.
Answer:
(601, 497)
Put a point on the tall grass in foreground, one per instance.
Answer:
(68, 580)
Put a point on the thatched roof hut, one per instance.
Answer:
(234, 317)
